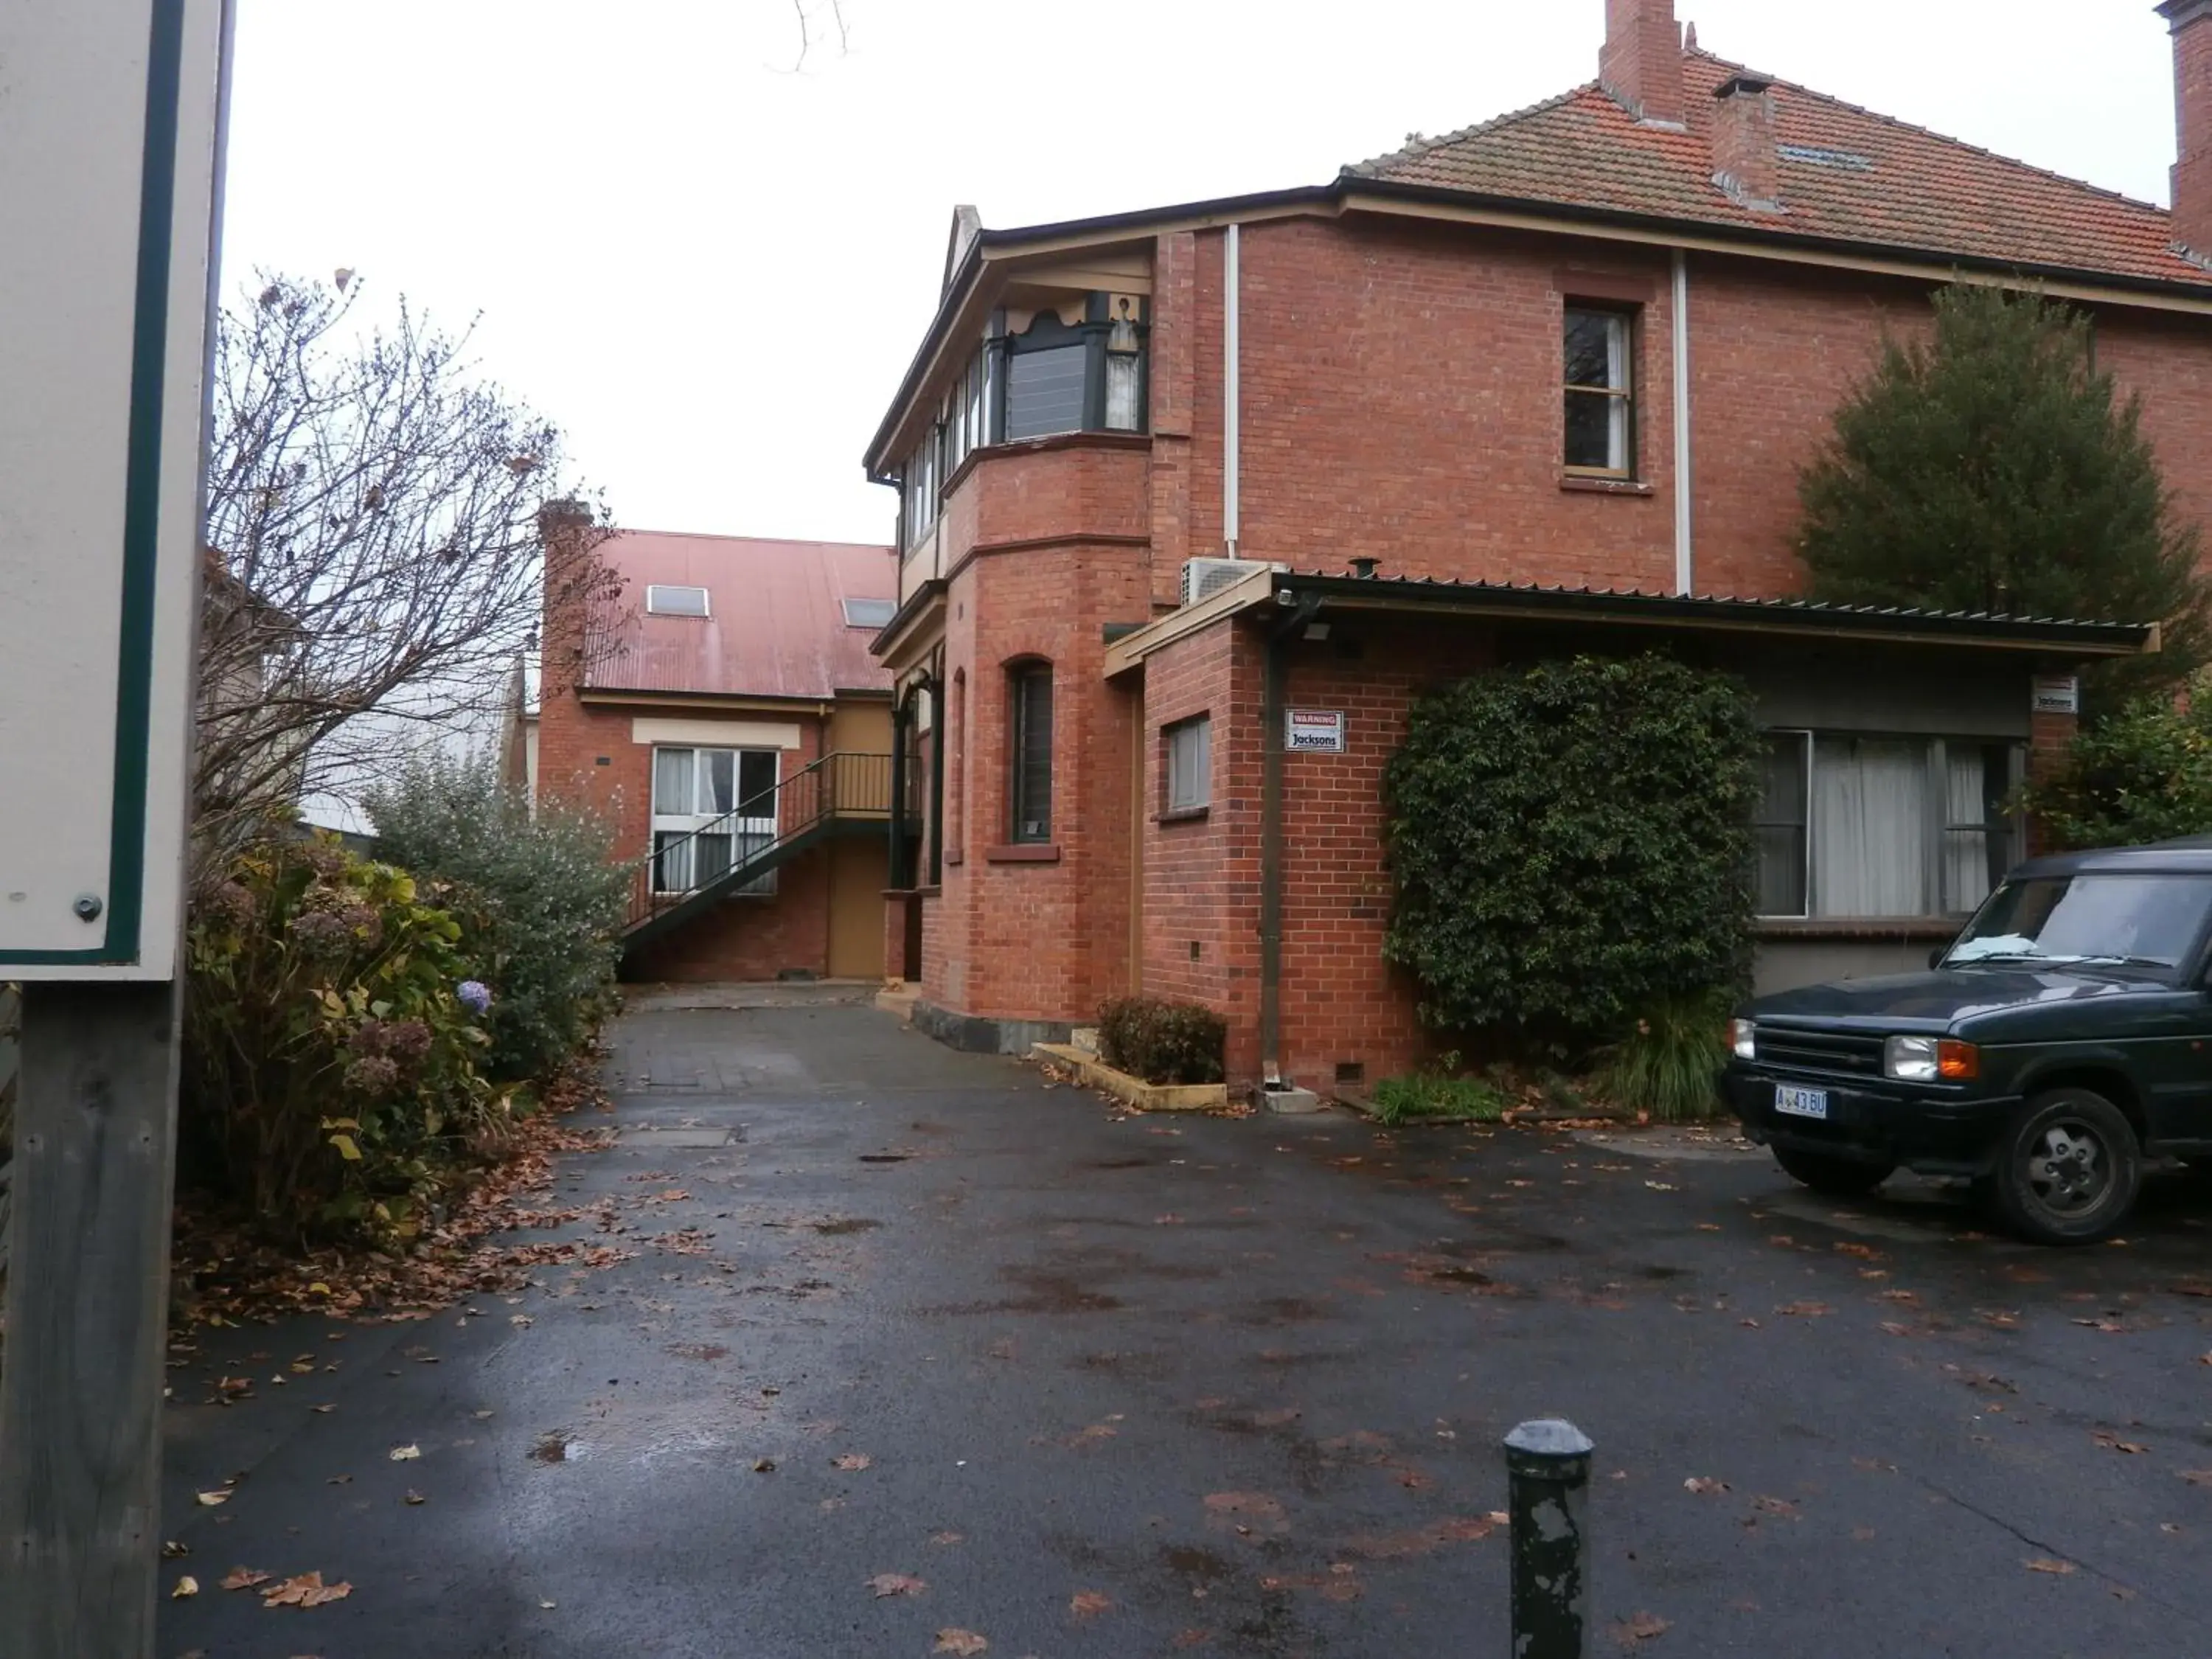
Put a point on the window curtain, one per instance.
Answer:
(1869, 827)
(1965, 848)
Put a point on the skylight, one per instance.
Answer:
(1842, 159)
(665, 601)
(870, 613)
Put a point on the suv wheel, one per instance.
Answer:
(1839, 1177)
(2068, 1168)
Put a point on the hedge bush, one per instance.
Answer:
(540, 903)
(330, 1086)
(2143, 775)
(1162, 1042)
(1572, 848)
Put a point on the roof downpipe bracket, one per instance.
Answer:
(1640, 65)
(1747, 155)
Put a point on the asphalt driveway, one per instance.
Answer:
(1083, 1384)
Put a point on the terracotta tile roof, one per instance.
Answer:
(776, 624)
(1847, 175)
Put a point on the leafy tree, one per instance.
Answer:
(1571, 845)
(1993, 467)
(2144, 774)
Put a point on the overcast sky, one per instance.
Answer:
(711, 268)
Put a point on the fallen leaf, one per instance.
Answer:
(1703, 1484)
(2197, 1476)
(964, 1643)
(2109, 1327)
(307, 1591)
(851, 1463)
(239, 1579)
(2044, 1564)
(896, 1584)
(1805, 1310)
(1781, 1506)
(322, 1411)
(405, 1453)
(185, 1586)
(219, 1495)
(1660, 1186)
(172, 1550)
(1709, 1227)
(764, 1466)
(1640, 1627)
(413, 1497)
(946, 1538)
(1088, 1604)
(2107, 1438)
(520, 1321)
(1895, 1329)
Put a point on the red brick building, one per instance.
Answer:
(1195, 500)
(713, 697)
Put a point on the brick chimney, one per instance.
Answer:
(1642, 63)
(2191, 21)
(1747, 157)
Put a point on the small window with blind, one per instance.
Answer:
(1601, 392)
(1029, 685)
(1190, 767)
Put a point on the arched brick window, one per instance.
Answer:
(1028, 750)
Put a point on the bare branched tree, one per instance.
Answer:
(375, 562)
(812, 28)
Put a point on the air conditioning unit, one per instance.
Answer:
(1203, 578)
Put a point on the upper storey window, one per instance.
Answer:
(1037, 375)
(1601, 392)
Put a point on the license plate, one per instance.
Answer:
(1793, 1102)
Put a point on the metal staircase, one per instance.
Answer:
(685, 876)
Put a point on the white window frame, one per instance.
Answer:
(1937, 829)
(655, 607)
(1189, 784)
(675, 872)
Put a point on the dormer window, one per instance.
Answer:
(663, 600)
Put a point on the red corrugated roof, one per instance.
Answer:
(1855, 176)
(776, 625)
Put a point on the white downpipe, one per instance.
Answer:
(1685, 561)
(1232, 390)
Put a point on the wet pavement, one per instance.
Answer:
(1084, 1384)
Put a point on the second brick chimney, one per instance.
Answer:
(1746, 156)
(2191, 21)
(1642, 63)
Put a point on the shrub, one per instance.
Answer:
(1573, 846)
(1425, 1099)
(1669, 1066)
(329, 1078)
(540, 904)
(2143, 775)
(1162, 1042)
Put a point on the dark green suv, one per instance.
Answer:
(2059, 1042)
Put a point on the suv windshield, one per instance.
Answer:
(2144, 921)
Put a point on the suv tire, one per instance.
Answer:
(1838, 1177)
(2068, 1169)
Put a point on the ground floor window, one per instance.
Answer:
(712, 809)
(1864, 826)
(1190, 764)
(1030, 782)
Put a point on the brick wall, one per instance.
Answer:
(747, 938)
(1401, 401)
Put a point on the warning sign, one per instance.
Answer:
(1315, 731)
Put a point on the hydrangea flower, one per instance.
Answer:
(475, 994)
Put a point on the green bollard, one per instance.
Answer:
(1547, 1465)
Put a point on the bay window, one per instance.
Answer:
(1861, 826)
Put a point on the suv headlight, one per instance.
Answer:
(1743, 1037)
(1930, 1060)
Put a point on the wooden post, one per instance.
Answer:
(81, 1391)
